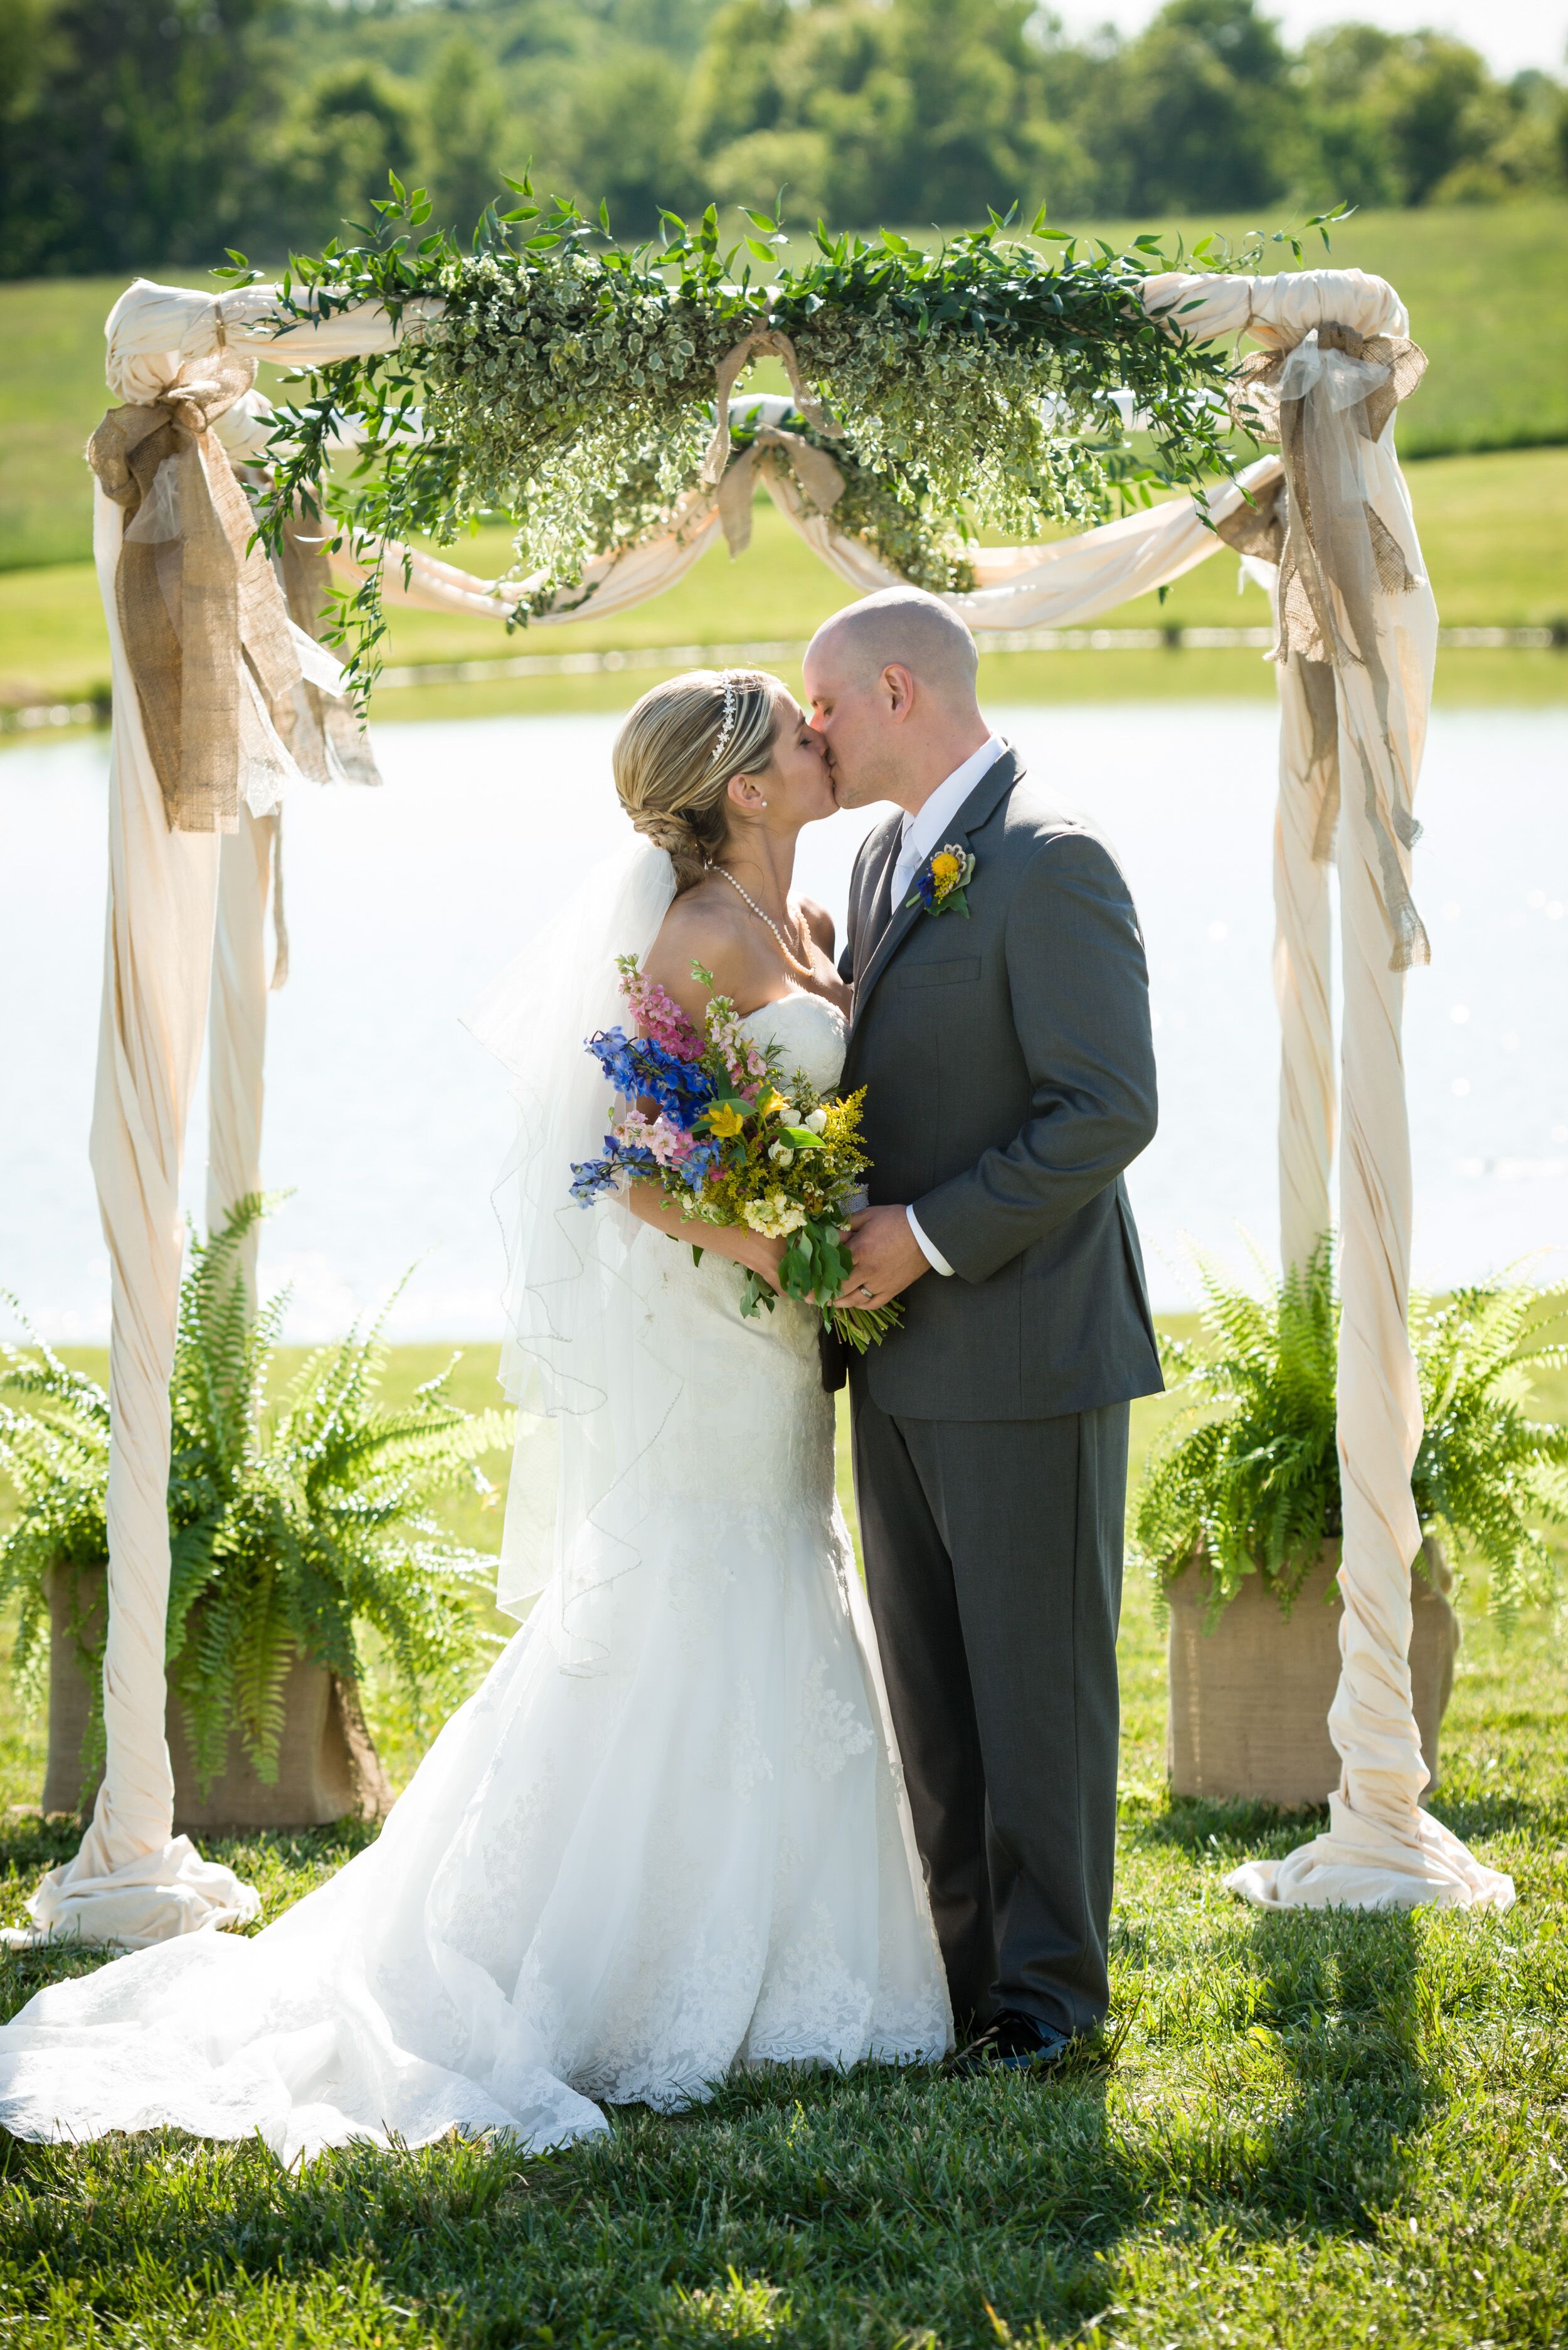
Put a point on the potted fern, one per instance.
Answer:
(1238, 1517)
(294, 1525)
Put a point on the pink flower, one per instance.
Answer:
(658, 1015)
(667, 1143)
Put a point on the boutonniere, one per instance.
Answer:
(940, 883)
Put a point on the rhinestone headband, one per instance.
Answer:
(727, 725)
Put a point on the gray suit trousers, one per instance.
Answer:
(994, 1565)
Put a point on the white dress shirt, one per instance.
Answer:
(922, 835)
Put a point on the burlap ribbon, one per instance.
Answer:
(205, 625)
(1269, 399)
(814, 469)
(773, 341)
(327, 740)
(1338, 563)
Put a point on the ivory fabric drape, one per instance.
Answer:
(169, 891)
(1068, 583)
(132, 1881)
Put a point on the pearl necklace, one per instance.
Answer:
(791, 954)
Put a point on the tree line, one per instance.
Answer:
(140, 132)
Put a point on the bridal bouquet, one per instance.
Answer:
(730, 1140)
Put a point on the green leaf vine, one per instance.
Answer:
(568, 384)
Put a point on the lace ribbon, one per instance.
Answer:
(776, 344)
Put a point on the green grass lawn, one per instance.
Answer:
(1494, 529)
(1318, 2131)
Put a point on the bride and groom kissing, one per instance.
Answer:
(717, 1802)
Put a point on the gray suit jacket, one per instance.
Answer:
(1010, 1069)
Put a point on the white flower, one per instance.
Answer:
(816, 1122)
(776, 1216)
(782, 1153)
(787, 1114)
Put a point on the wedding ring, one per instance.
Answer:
(864, 1291)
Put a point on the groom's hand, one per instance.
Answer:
(887, 1257)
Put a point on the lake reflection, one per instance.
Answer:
(389, 1122)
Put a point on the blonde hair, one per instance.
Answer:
(673, 759)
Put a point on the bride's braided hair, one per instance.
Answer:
(675, 755)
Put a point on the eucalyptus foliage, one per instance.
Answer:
(291, 1524)
(1247, 1479)
(976, 382)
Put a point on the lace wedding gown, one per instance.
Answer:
(611, 1883)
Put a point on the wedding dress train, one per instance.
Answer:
(666, 1836)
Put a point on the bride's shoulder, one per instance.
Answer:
(706, 925)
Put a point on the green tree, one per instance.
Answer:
(353, 125)
(1202, 115)
(625, 134)
(1353, 158)
(129, 131)
(914, 111)
(1430, 92)
(1410, 117)
(466, 134)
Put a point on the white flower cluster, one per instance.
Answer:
(774, 1216)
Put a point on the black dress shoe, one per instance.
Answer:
(1015, 2043)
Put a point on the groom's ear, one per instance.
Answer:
(897, 686)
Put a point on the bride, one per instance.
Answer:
(668, 1835)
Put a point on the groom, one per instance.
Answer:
(1010, 1071)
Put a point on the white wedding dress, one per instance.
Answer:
(667, 1836)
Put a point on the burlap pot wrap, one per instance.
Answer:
(328, 1767)
(1250, 1698)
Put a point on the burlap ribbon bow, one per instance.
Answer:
(1339, 561)
(771, 447)
(777, 343)
(228, 689)
(1325, 567)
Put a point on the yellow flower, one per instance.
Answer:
(944, 871)
(771, 1103)
(725, 1120)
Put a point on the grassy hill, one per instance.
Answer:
(1487, 289)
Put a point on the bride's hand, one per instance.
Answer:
(759, 1255)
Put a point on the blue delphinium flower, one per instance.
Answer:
(591, 1177)
(638, 1067)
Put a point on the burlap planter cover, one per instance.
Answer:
(328, 1767)
(1250, 1698)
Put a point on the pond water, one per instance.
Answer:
(388, 1122)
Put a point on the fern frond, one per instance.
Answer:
(1250, 1476)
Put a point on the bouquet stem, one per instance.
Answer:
(863, 1327)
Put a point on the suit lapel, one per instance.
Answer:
(879, 894)
(998, 778)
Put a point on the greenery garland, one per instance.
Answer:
(888, 512)
(976, 383)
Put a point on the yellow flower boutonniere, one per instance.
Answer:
(940, 883)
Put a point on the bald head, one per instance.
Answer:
(892, 686)
(906, 628)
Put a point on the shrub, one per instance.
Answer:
(1247, 1479)
(291, 1523)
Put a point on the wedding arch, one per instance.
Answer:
(588, 394)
